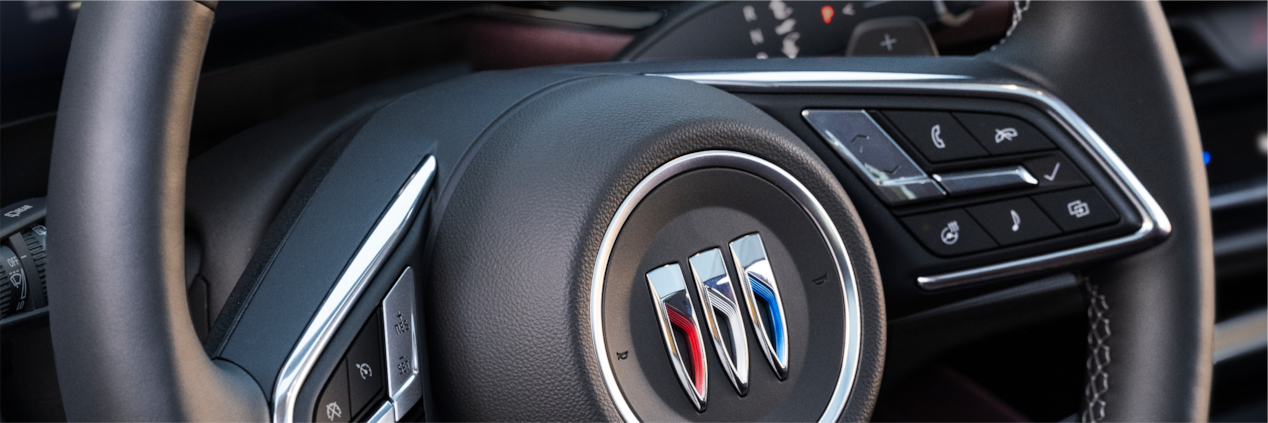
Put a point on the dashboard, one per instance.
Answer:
(810, 29)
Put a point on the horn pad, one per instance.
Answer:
(517, 319)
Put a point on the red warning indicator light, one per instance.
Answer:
(827, 14)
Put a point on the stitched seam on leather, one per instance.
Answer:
(1098, 356)
(1018, 10)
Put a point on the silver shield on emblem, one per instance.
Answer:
(723, 314)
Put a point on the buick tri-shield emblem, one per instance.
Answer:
(723, 313)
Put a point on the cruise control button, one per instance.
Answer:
(365, 365)
(949, 233)
(1077, 209)
(333, 403)
(1055, 171)
(936, 134)
(1001, 134)
(1014, 221)
(401, 344)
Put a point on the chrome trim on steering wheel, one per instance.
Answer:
(1154, 222)
(385, 236)
(798, 192)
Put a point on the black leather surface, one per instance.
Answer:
(124, 343)
(236, 189)
(1115, 64)
(916, 339)
(513, 255)
(286, 282)
(295, 278)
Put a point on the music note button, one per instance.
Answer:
(1014, 221)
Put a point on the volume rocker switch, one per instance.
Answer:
(975, 181)
(873, 155)
(401, 344)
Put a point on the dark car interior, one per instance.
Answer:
(661, 211)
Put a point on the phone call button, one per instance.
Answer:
(937, 135)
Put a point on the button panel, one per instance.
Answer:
(873, 155)
(973, 163)
(937, 135)
(400, 334)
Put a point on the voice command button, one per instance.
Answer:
(949, 233)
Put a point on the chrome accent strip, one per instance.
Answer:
(795, 190)
(384, 414)
(1154, 222)
(789, 78)
(1240, 335)
(669, 294)
(387, 233)
(974, 181)
(753, 267)
(717, 297)
(1242, 197)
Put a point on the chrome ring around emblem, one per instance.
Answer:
(799, 193)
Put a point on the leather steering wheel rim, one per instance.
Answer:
(1155, 310)
(126, 350)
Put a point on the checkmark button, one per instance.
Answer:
(1053, 175)
(1055, 171)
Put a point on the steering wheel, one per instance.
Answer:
(559, 198)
